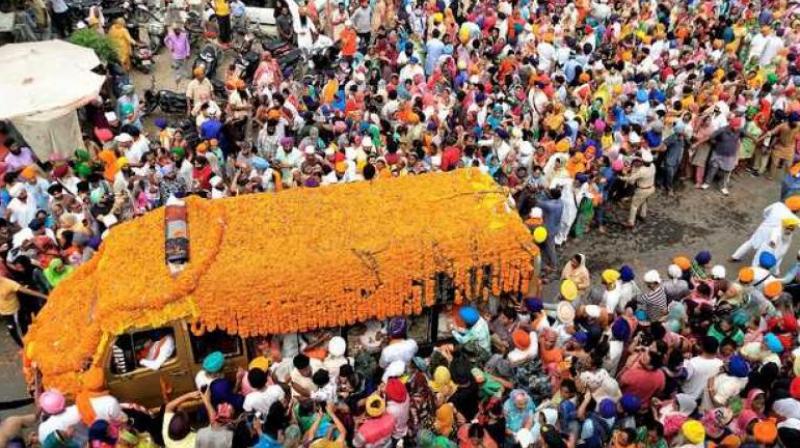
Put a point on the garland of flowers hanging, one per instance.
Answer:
(291, 261)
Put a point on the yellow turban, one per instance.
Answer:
(693, 431)
(259, 363)
(610, 276)
(792, 221)
(375, 405)
(122, 162)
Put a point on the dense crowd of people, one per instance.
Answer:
(573, 107)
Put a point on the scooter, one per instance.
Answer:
(142, 59)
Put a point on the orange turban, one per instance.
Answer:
(773, 289)
(793, 202)
(746, 275)
(682, 263)
(765, 432)
(29, 172)
(522, 340)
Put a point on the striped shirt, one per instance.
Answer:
(654, 302)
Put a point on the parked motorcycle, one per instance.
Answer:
(246, 60)
(209, 57)
(168, 101)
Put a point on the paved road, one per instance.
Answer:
(692, 221)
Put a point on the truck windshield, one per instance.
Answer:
(212, 341)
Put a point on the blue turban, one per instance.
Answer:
(630, 403)
(767, 260)
(773, 343)
(738, 367)
(160, 122)
(607, 408)
(259, 163)
(534, 304)
(582, 178)
(626, 273)
(469, 315)
(640, 315)
(641, 96)
(703, 257)
(581, 337)
(213, 362)
(398, 327)
(621, 330)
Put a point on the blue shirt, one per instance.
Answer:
(551, 214)
(434, 50)
(265, 441)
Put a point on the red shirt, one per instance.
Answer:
(642, 382)
(450, 157)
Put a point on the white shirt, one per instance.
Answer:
(136, 151)
(62, 422)
(611, 362)
(262, 400)
(517, 356)
(27, 234)
(611, 298)
(22, 213)
(773, 45)
(547, 55)
(699, 370)
(402, 350)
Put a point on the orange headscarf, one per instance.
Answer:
(576, 164)
(92, 385)
(109, 160)
(445, 419)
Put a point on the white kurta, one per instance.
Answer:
(570, 211)
(772, 217)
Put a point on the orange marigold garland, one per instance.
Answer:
(291, 261)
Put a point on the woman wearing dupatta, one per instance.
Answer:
(587, 198)
(122, 41)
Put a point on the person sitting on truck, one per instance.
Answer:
(400, 347)
(477, 329)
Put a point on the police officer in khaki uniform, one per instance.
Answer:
(643, 177)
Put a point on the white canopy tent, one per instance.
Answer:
(42, 84)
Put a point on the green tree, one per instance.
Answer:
(101, 45)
